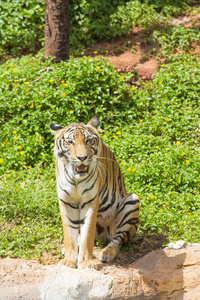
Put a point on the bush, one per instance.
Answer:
(174, 39)
(21, 26)
(63, 93)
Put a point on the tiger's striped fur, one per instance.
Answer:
(92, 196)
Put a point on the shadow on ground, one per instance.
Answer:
(138, 247)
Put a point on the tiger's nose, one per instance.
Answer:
(82, 158)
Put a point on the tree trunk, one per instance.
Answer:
(57, 29)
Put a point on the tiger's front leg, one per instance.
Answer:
(88, 216)
(71, 224)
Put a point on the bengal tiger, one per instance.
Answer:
(92, 196)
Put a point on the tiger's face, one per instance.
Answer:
(77, 146)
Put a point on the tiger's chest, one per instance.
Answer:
(77, 192)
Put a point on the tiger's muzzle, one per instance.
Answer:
(81, 169)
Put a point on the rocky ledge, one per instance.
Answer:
(160, 275)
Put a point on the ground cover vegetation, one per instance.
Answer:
(22, 22)
(152, 126)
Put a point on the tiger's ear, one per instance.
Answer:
(55, 127)
(94, 122)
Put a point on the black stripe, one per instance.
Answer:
(76, 222)
(114, 183)
(82, 180)
(132, 223)
(63, 189)
(98, 141)
(129, 221)
(88, 202)
(60, 154)
(60, 143)
(133, 202)
(72, 182)
(105, 208)
(105, 186)
(121, 183)
(110, 204)
(105, 199)
(127, 214)
(92, 174)
(99, 228)
(108, 229)
(72, 206)
(121, 235)
(91, 185)
(73, 227)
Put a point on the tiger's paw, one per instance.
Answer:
(91, 264)
(68, 263)
(109, 253)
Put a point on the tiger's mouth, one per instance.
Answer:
(81, 169)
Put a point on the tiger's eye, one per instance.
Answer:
(88, 140)
(70, 142)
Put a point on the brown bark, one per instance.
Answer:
(57, 29)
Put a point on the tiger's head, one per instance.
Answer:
(77, 146)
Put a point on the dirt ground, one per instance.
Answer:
(135, 54)
(137, 248)
(129, 54)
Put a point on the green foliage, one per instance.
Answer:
(21, 25)
(93, 20)
(174, 39)
(30, 219)
(134, 14)
(101, 242)
(152, 129)
(160, 152)
(169, 8)
(30, 100)
(22, 22)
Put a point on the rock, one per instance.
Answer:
(73, 284)
(177, 245)
(19, 279)
(170, 274)
(160, 275)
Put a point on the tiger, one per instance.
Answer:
(93, 200)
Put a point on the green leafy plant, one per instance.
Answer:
(174, 39)
(21, 26)
(61, 94)
(22, 22)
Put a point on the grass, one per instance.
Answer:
(152, 127)
(30, 219)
